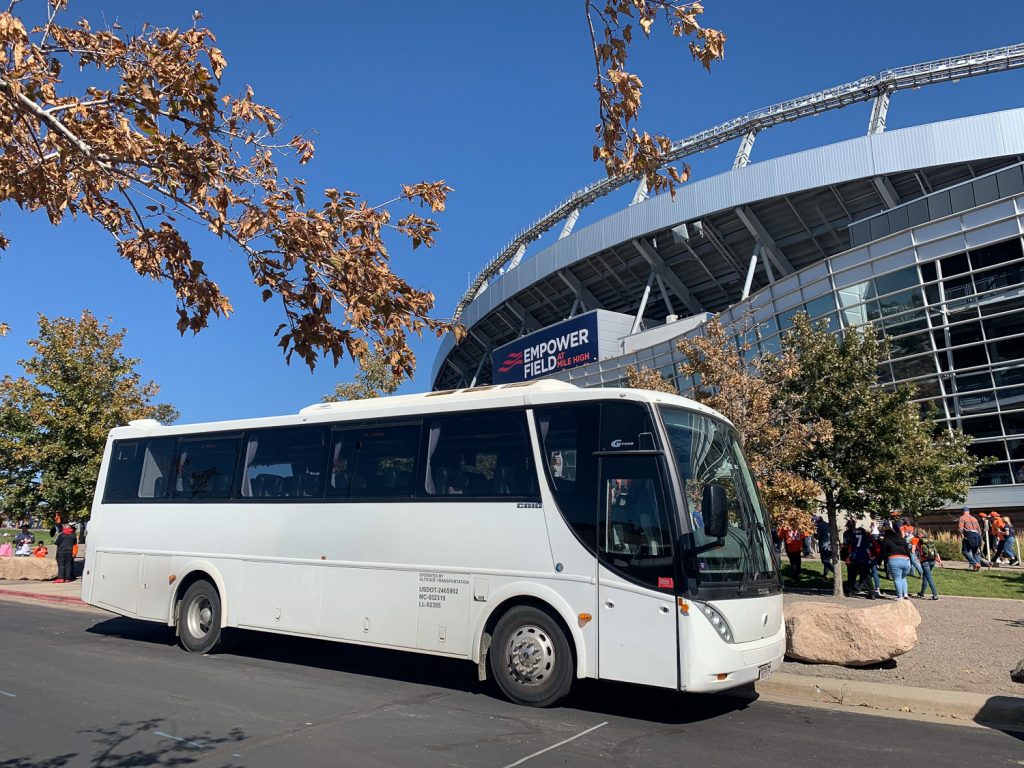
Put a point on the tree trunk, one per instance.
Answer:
(832, 508)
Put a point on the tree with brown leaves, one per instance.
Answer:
(156, 142)
(623, 149)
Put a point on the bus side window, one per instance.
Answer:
(568, 438)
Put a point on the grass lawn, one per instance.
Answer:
(998, 582)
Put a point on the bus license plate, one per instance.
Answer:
(764, 671)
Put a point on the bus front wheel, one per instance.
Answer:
(530, 657)
(199, 618)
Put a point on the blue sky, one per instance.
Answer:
(495, 98)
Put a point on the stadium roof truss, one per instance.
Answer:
(708, 262)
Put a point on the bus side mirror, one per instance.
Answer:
(713, 508)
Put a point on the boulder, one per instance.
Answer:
(1018, 673)
(829, 633)
(33, 568)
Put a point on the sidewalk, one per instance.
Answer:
(44, 591)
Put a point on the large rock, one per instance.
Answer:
(829, 633)
(33, 568)
(1018, 673)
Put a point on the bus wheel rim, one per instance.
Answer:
(200, 616)
(531, 655)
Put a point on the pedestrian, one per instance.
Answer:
(793, 540)
(66, 542)
(907, 532)
(1008, 543)
(929, 557)
(896, 552)
(40, 550)
(824, 533)
(24, 536)
(971, 532)
(857, 544)
(876, 557)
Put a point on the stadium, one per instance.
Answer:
(916, 230)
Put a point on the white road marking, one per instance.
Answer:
(179, 738)
(556, 746)
(5, 693)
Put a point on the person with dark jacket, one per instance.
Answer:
(896, 553)
(65, 542)
(857, 553)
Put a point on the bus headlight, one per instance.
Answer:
(717, 621)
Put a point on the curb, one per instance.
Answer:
(957, 705)
(61, 599)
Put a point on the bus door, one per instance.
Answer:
(637, 627)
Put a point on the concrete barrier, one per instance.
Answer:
(31, 568)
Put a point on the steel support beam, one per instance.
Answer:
(480, 367)
(886, 191)
(583, 293)
(643, 302)
(575, 308)
(760, 234)
(664, 294)
(671, 278)
(529, 323)
(570, 222)
(743, 153)
(750, 272)
(520, 252)
(707, 271)
(879, 111)
(641, 192)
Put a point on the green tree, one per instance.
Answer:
(884, 458)
(376, 378)
(54, 420)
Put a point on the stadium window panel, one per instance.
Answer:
(771, 346)
(1005, 377)
(899, 280)
(885, 373)
(913, 367)
(969, 357)
(995, 474)
(961, 198)
(1013, 422)
(820, 306)
(965, 333)
(927, 387)
(928, 272)
(986, 190)
(969, 382)
(917, 212)
(977, 402)
(1005, 350)
(939, 205)
(1016, 449)
(914, 344)
(1003, 325)
(1010, 181)
(856, 294)
(479, 456)
(284, 463)
(206, 467)
(997, 253)
(958, 287)
(983, 426)
(953, 265)
(899, 219)
(1011, 397)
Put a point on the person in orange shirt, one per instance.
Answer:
(40, 550)
(907, 532)
(793, 541)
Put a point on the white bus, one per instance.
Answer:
(544, 532)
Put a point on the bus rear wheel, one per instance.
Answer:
(530, 657)
(199, 619)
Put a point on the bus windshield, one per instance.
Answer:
(707, 451)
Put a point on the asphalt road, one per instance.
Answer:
(84, 688)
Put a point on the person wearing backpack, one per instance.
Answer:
(929, 556)
(1007, 544)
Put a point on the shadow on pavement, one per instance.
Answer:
(615, 699)
(1003, 709)
(137, 743)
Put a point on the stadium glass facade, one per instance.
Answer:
(943, 277)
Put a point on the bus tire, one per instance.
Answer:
(199, 619)
(530, 657)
